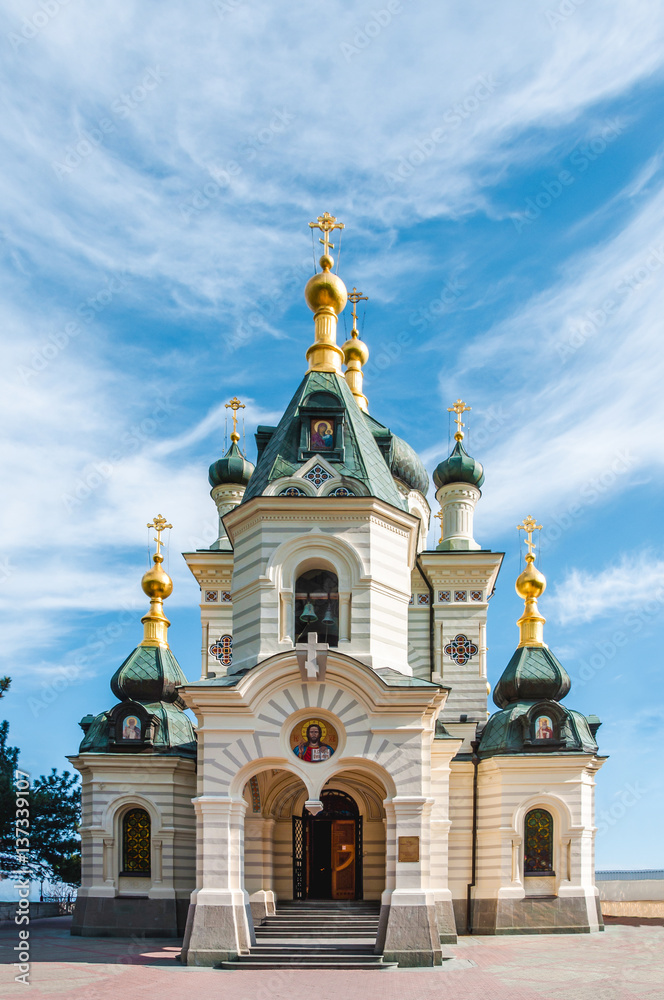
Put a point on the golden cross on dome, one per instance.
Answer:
(326, 223)
(235, 405)
(159, 524)
(356, 297)
(459, 408)
(529, 525)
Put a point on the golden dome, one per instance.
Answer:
(156, 583)
(325, 289)
(355, 349)
(531, 583)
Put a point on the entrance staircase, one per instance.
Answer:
(316, 934)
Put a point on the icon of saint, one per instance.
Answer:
(131, 729)
(322, 435)
(312, 749)
(544, 729)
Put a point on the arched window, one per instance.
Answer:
(136, 843)
(538, 840)
(317, 606)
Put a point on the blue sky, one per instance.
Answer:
(500, 172)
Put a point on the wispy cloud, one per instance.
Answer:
(632, 583)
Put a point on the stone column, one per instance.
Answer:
(411, 935)
(219, 924)
(260, 829)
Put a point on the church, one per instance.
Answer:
(345, 775)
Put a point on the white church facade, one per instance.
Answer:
(343, 754)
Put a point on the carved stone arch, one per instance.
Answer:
(279, 486)
(355, 487)
(295, 555)
(115, 810)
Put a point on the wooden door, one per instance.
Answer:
(343, 859)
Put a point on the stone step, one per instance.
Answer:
(247, 964)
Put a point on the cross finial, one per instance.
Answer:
(159, 524)
(459, 408)
(529, 525)
(356, 297)
(326, 223)
(235, 405)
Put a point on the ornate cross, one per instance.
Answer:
(356, 297)
(440, 517)
(459, 408)
(529, 525)
(159, 524)
(326, 223)
(235, 405)
(310, 649)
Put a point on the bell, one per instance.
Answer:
(308, 615)
(329, 618)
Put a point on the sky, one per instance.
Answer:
(500, 172)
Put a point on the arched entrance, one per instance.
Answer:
(327, 850)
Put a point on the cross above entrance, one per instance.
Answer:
(312, 657)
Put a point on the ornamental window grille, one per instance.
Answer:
(222, 650)
(317, 606)
(292, 491)
(136, 843)
(318, 475)
(444, 596)
(461, 649)
(538, 840)
(460, 595)
(342, 491)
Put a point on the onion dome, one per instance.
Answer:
(232, 468)
(149, 674)
(532, 685)
(532, 674)
(460, 467)
(149, 717)
(407, 466)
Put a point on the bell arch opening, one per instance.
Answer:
(317, 606)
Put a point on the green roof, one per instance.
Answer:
(362, 456)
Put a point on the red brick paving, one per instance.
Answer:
(624, 963)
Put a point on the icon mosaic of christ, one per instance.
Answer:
(314, 741)
(322, 434)
(544, 728)
(131, 728)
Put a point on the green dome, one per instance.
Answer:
(148, 674)
(459, 468)
(532, 673)
(232, 468)
(407, 466)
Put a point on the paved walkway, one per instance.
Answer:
(624, 963)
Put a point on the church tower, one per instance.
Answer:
(138, 770)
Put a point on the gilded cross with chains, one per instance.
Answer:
(235, 405)
(529, 525)
(356, 297)
(326, 223)
(459, 408)
(159, 524)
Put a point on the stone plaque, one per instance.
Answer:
(409, 848)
